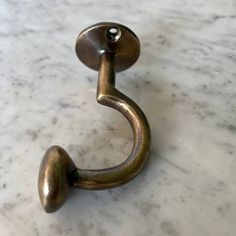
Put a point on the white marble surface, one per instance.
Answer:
(185, 81)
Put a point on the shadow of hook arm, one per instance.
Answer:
(108, 95)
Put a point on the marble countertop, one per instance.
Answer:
(185, 82)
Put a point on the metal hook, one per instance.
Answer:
(106, 47)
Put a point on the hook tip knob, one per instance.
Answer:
(53, 181)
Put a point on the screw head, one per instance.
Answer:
(113, 34)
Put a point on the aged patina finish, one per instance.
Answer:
(107, 48)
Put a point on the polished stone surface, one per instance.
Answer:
(185, 81)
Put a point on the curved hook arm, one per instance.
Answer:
(108, 95)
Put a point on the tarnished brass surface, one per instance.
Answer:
(107, 47)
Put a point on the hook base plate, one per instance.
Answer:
(111, 38)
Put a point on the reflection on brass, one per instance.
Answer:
(107, 48)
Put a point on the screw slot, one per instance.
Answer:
(113, 34)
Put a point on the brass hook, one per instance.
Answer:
(107, 48)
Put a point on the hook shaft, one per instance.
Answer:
(109, 96)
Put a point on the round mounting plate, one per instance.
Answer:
(107, 37)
